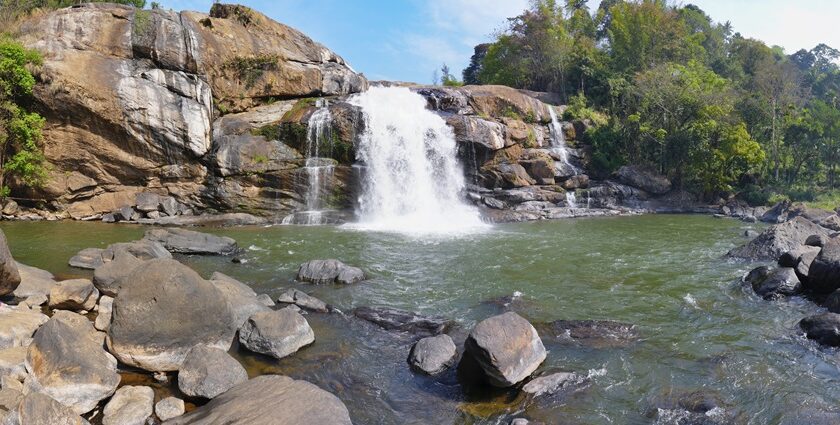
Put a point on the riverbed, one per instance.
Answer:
(696, 329)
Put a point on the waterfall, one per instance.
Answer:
(571, 199)
(412, 181)
(318, 170)
(558, 139)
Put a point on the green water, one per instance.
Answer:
(699, 330)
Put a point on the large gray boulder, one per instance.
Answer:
(778, 283)
(777, 240)
(92, 258)
(67, 362)
(208, 372)
(184, 241)
(433, 355)
(643, 178)
(824, 273)
(276, 333)
(507, 348)
(162, 311)
(41, 409)
(242, 299)
(329, 271)
(33, 281)
(17, 326)
(270, 400)
(74, 294)
(9, 275)
(130, 405)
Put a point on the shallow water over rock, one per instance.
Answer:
(695, 326)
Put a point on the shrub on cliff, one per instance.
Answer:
(20, 130)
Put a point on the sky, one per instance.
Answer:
(407, 40)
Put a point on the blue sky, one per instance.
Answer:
(408, 39)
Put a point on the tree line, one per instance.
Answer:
(669, 87)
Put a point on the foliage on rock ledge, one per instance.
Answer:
(20, 130)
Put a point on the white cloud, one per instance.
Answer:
(473, 21)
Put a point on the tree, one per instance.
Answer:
(778, 84)
(447, 79)
(20, 130)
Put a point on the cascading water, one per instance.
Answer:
(558, 140)
(571, 199)
(319, 171)
(412, 181)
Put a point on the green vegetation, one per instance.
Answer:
(270, 132)
(664, 85)
(250, 69)
(21, 159)
(259, 159)
(142, 23)
(12, 11)
(298, 108)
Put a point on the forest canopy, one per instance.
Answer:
(715, 111)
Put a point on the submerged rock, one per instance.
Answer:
(163, 310)
(208, 372)
(777, 240)
(276, 333)
(303, 300)
(9, 275)
(823, 328)
(403, 321)
(184, 241)
(506, 347)
(67, 362)
(593, 333)
(433, 355)
(270, 400)
(130, 405)
(554, 383)
(329, 271)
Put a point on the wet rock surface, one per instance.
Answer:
(184, 241)
(403, 321)
(592, 333)
(433, 355)
(276, 333)
(506, 347)
(329, 271)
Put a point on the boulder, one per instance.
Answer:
(551, 384)
(9, 275)
(67, 362)
(817, 240)
(329, 271)
(824, 273)
(13, 363)
(643, 178)
(208, 372)
(130, 405)
(41, 409)
(541, 170)
(778, 239)
(433, 355)
(276, 333)
(242, 299)
(33, 281)
(103, 314)
(184, 241)
(270, 400)
(147, 202)
(580, 181)
(778, 283)
(107, 278)
(17, 326)
(162, 311)
(823, 328)
(403, 321)
(832, 302)
(74, 294)
(303, 300)
(93, 258)
(88, 258)
(831, 222)
(506, 347)
(513, 175)
(803, 267)
(169, 408)
(792, 257)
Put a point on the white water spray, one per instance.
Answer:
(571, 199)
(412, 182)
(558, 139)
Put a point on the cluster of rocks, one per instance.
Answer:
(149, 206)
(153, 314)
(807, 252)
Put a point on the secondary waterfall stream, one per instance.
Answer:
(412, 181)
(558, 146)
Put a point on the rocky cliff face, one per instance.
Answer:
(133, 100)
(211, 113)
